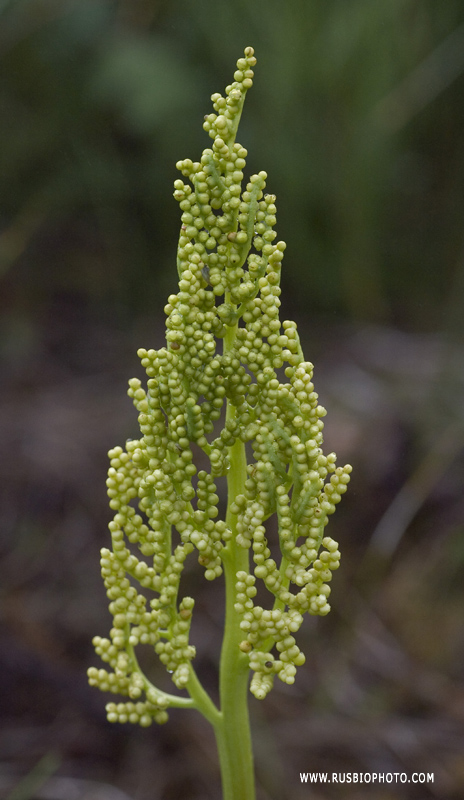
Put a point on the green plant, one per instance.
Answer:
(226, 251)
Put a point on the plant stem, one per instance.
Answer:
(233, 730)
(201, 699)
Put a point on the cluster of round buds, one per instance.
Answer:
(108, 681)
(229, 267)
(264, 629)
(139, 713)
(176, 652)
(292, 478)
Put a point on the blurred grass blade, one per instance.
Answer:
(431, 77)
(34, 780)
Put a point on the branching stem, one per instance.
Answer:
(233, 734)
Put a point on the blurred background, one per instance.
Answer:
(357, 115)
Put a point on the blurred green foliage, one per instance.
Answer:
(356, 117)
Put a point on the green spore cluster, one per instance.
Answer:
(226, 350)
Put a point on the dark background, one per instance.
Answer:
(357, 115)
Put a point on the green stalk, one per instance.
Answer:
(233, 734)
